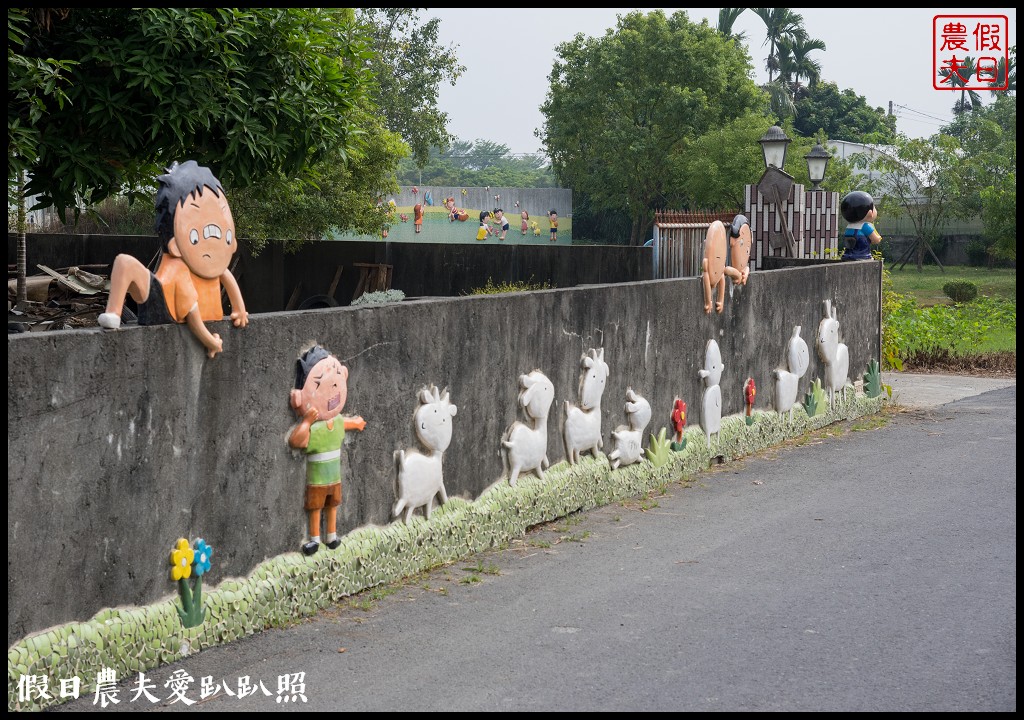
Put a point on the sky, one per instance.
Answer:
(883, 54)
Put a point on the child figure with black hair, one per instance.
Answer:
(484, 230)
(553, 220)
(858, 209)
(501, 221)
(194, 223)
(321, 388)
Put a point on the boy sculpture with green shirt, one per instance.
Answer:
(321, 388)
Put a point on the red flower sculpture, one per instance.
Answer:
(749, 392)
(679, 418)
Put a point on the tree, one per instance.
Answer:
(925, 180)
(795, 63)
(841, 115)
(727, 17)
(780, 24)
(410, 64)
(719, 164)
(987, 170)
(960, 76)
(337, 194)
(249, 92)
(478, 164)
(1006, 68)
(622, 108)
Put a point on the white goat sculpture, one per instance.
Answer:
(582, 429)
(833, 353)
(526, 446)
(787, 382)
(627, 442)
(420, 479)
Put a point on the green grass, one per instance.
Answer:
(926, 286)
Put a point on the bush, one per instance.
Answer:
(518, 286)
(960, 291)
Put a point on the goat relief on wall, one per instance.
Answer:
(420, 479)
(834, 354)
(526, 446)
(627, 441)
(582, 430)
(787, 382)
(711, 403)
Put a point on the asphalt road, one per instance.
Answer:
(869, 567)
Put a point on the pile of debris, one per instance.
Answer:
(59, 299)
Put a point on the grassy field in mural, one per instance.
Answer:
(438, 229)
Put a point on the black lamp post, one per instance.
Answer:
(817, 161)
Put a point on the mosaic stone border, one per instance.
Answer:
(286, 587)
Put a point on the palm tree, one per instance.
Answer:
(726, 19)
(1002, 70)
(779, 23)
(795, 63)
(959, 78)
(780, 102)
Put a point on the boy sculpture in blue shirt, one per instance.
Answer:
(858, 209)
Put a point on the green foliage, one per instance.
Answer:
(923, 336)
(336, 195)
(381, 297)
(492, 288)
(960, 291)
(814, 400)
(247, 92)
(409, 64)
(477, 164)
(622, 109)
(873, 380)
(192, 612)
(842, 115)
(718, 164)
(659, 448)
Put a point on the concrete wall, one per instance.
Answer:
(121, 442)
(420, 269)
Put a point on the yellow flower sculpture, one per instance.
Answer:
(181, 560)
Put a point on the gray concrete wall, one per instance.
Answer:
(420, 269)
(121, 442)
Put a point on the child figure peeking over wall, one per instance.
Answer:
(194, 223)
(858, 209)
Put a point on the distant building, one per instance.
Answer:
(846, 150)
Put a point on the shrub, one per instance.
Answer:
(961, 291)
(518, 286)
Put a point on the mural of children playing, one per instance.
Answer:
(525, 224)
(484, 230)
(502, 222)
(194, 223)
(417, 216)
(321, 389)
(553, 220)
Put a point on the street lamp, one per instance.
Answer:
(773, 145)
(817, 161)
